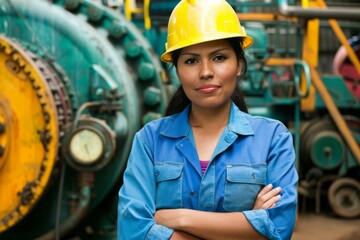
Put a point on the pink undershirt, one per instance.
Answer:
(203, 165)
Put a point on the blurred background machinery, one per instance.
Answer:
(79, 78)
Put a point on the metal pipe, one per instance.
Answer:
(321, 13)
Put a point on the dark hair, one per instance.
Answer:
(180, 101)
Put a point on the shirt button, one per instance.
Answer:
(253, 176)
(192, 194)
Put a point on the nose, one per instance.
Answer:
(206, 71)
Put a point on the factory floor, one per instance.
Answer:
(311, 226)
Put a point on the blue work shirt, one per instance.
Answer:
(164, 172)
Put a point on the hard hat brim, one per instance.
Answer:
(247, 42)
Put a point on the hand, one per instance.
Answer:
(267, 197)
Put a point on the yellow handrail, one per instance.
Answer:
(130, 8)
(147, 19)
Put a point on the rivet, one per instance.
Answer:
(71, 4)
(150, 116)
(117, 30)
(152, 96)
(146, 71)
(94, 13)
(133, 49)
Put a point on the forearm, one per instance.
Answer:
(210, 225)
(178, 235)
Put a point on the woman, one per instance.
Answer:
(208, 169)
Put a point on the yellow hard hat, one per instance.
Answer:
(196, 21)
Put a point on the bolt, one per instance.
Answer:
(146, 71)
(71, 4)
(149, 116)
(94, 14)
(152, 96)
(117, 30)
(133, 49)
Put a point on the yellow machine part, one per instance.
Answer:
(310, 55)
(28, 133)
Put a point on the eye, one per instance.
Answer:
(220, 58)
(190, 61)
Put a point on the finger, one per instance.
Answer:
(271, 202)
(271, 193)
(265, 190)
(261, 199)
(264, 195)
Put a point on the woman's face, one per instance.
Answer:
(208, 73)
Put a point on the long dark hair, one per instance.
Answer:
(180, 101)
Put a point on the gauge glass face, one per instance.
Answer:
(86, 146)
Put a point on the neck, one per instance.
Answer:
(210, 118)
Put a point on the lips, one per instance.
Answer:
(208, 88)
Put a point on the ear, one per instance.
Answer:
(239, 67)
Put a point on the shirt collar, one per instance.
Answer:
(180, 127)
(238, 122)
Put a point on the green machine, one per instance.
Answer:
(77, 81)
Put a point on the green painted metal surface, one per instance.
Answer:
(339, 92)
(327, 150)
(107, 61)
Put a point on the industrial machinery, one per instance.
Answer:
(77, 82)
(79, 78)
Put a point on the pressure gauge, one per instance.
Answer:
(90, 145)
(86, 146)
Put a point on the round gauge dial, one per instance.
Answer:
(86, 146)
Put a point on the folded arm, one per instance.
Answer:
(215, 225)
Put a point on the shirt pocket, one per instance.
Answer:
(168, 185)
(243, 183)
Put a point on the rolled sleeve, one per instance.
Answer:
(159, 232)
(278, 222)
(136, 206)
(260, 220)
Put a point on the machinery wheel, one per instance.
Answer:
(30, 107)
(344, 197)
(322, 145)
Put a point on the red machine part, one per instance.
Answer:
(344, 67)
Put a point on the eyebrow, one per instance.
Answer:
(211, 53)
